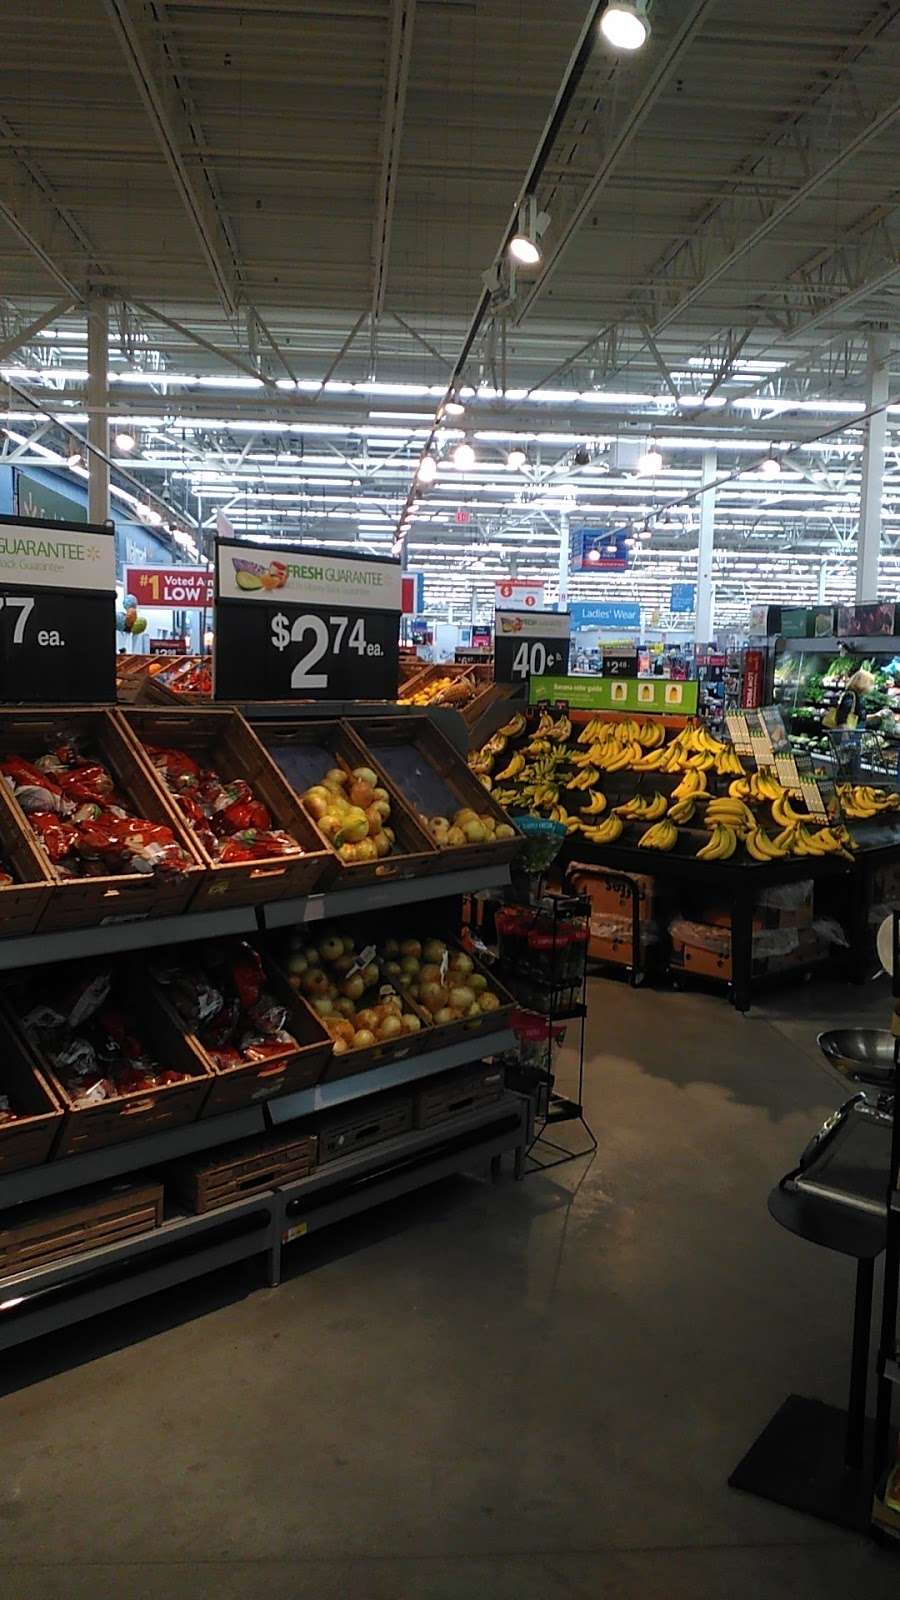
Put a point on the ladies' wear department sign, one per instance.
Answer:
(618, 694)
(306, 624)
(57, 611)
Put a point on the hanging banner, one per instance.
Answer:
(605, 614)
(36, 499)
(599, 549)
(413, 601)
(681, 599)
(518, 594)
(528, 643)
(57, 611)
(303, 623)
(182, 588)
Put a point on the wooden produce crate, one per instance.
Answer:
(53, 1230)
(222, 739)
(358, 1127)
(304, 752)
(452, 1093)
(167, 687)
(299, 1067)
(436, 782)
(438, 1034)
(23, 903)
(94, 902)
(252, 1166)
(141, 1111)
(27, 1142)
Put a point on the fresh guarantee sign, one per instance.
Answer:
(246, 573)
(56, 559)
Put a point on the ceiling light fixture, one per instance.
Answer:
(516, 459)
(650, 463)
(453, 408)
(582, 456)
(124, 443)
(74, 459)
(625, 24)
(524, 246)
(464, 456)
(427, 469)
(771, 466)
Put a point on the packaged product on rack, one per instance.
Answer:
(227, 818)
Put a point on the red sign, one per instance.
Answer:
(752, 685)
(178, 588)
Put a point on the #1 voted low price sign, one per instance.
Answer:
(530, 643)
(305, 624)
(57, 612)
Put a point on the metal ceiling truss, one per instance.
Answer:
(403, 14)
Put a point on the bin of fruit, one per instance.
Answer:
(458, 995)
(113, 1059)
(107, 839)
(246, 824)
(353, 803)
(256, 1035)
(465, 823)
(369, 1019)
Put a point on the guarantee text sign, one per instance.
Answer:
(57, 612)
(306, 624)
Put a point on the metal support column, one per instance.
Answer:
(868, 545)
(563, 561)
(98, 408)
(703, 609)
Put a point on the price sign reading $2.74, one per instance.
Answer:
(298, 623)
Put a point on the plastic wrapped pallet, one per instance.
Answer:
(611, 939)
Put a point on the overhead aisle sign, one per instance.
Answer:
(57, 611)
(305, 624)
(530, 643)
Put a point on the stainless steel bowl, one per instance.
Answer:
(864, 1054)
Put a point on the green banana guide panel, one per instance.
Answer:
(676, 696)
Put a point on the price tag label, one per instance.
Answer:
(57, 612)
(305, 624)
(530, 644)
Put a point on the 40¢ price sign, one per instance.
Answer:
(57, 612)
(530, 644)
(298, 623)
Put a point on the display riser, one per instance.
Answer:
(463, 1144)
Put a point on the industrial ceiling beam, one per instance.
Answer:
(403, 15)
(22, 335)
(201, 210)
(619, 145)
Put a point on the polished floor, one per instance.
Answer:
(528, 1392)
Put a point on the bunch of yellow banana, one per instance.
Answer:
(505, 797)
(514, 727)
(651, 735)
(561, 730)
(617, 758)
(653, 761)
(639, 806)
(762, 848)
(722, 844)
(740, 789)
(823, 842)
(538, 747)
(544, 796)
(683, 810)
(764, 787)
(595, 731)
(861, 801)
(585, 779)
(662, 836)
(691, 783)
(513, 768)
(784, 814)
(732, 813)
(727, 761)
(560, 814)
(590, 757)
(486, 781)
(605, 832)
(597, 805)
(702, 761)
(479, 761)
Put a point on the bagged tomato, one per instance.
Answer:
(233, 826)
(243, 814)
(57, 837)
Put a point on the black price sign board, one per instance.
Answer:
(57, 612)
(530, 644)
(619, 664)
(296, 623)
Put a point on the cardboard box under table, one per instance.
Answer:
(704, 949)
(437, 783)
(92, 901)
(304, 752)
(222, 740)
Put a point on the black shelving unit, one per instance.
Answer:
(888, 1370)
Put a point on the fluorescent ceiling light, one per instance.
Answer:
(427, 469)
(464, 456)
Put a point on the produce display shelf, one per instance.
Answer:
(84, 1286)
(74, 1172)
(39, 949)
(340, 1091)
(861, 645)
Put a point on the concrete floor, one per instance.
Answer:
(528, 1392)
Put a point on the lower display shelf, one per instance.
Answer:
(75, 1172)
(55, 1296)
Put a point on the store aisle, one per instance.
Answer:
(534, 1391)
